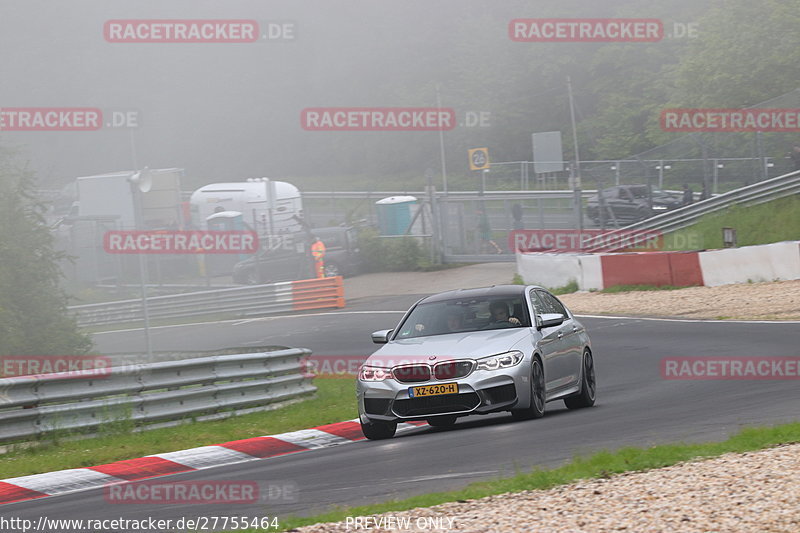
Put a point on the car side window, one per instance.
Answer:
(553, 304)
(538, 305)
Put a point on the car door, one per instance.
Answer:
(571, 340)
(551, 346)
(627, 206)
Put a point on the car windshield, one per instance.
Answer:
(464, 315)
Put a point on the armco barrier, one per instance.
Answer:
(768, 262)
(172, 390)
(250, 300)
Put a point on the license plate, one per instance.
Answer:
(433, 390)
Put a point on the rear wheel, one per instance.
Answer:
(251, 277)
(536, 409)
(587, 395)
(377, 430)
(442, 421)
(332, 270)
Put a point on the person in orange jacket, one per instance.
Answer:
(318, 252)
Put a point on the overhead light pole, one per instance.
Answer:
(141, 182)
(576, 181)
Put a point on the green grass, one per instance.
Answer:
(774, 221)
(335, 401)
(569, 288)
(628, 288)
(598, 465)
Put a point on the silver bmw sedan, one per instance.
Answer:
(476, 351)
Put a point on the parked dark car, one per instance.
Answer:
(287, 259)
(630, 203)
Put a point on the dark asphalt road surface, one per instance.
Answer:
(635, 407)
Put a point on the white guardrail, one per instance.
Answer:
(145, 393)
(757, 193)
(251, 299)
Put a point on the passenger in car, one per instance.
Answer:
(500, 316)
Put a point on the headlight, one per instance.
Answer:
(500, 361)
(374, 373)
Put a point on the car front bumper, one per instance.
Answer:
(479, 393)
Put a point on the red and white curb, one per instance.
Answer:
(77, 479)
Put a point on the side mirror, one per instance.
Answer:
(382, 336)
(548, 320)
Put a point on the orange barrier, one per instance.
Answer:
(319, 293)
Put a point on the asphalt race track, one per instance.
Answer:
(635, 407)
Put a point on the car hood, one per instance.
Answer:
(471, 344)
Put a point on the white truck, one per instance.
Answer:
(269, 207)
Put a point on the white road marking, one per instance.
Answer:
(442, 476)
(74, 479)
(692, 320)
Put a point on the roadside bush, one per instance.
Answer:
(392, 254)
(33, 307)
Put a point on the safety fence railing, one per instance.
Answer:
(146, 393)
(249, 300)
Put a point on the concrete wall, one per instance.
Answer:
(768, 262)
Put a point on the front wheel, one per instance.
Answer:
(536, 409)
(377, 430)
(587, 395)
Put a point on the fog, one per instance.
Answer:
(229, 111)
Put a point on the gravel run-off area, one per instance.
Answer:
(777, 300)
(755, 492)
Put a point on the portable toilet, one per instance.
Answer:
(395, 214)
